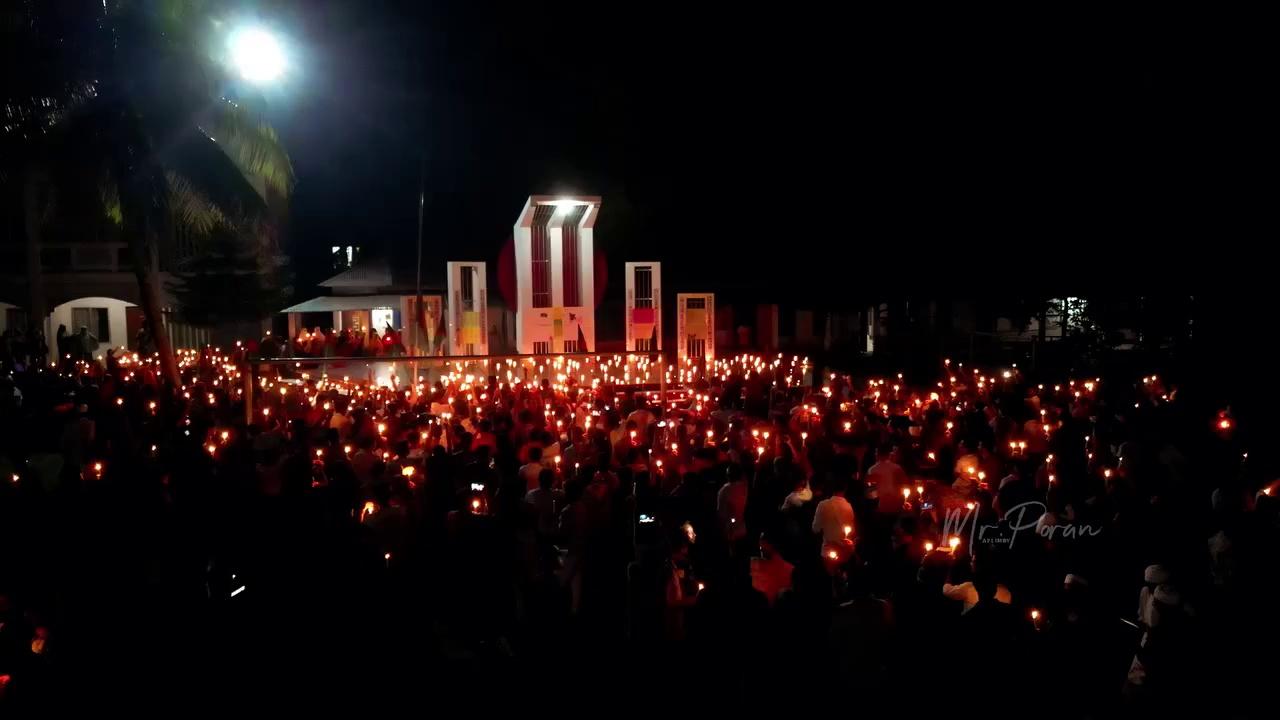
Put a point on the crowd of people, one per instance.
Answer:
(348, 342)
(983, 535)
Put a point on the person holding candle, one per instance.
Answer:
(531, 470)
(544, 503)
(885, 479)
(731, 505)
(834, 514)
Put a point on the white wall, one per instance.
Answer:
(536, 324)
(481, 305)
(630, 273)
(62, 314)
(685, 330)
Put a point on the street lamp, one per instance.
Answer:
(257, 55)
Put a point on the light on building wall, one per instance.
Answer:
(565, 205)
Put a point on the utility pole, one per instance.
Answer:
(418, 315)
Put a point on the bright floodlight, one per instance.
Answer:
(257, 55)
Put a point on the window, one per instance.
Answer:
(569, 264)
(695, 303)
(542, 348)
(540, 252)
(95, 319)
(343, 256)
(696, 347)
(470, 349)
(381, 317)
(468, 288)
(571, 346)
(643, 344)
(644, 287)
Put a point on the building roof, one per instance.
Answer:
(373, 274)
(329, 303)
(381, 275)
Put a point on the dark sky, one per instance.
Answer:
(799, 151)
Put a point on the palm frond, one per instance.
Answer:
(253, 146)
(24, 118)
(191, 209)
(109, 194)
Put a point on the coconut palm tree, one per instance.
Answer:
(135, 95)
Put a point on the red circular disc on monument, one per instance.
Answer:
(507, 274)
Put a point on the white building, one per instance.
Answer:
(89, 284)
(371, 296)
(644, 306)
(696, 327)
(468, 298)
(555, 284)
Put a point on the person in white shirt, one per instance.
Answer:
(545, 501)
(885, 480)
(801, 495)
(529, 471)
(967, 592)
(967, 463)
(833, 515)
(340, 421)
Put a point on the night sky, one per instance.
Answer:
(807, 153)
